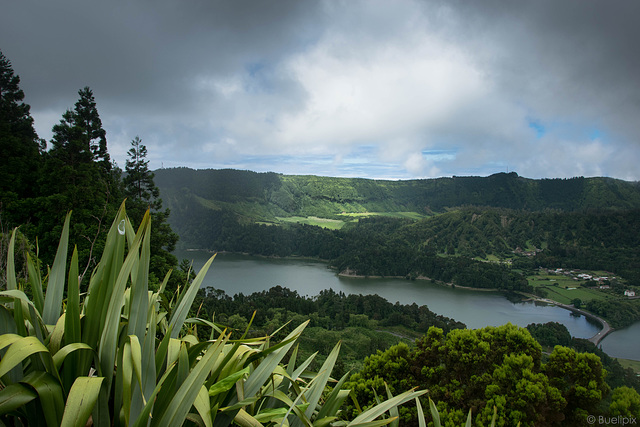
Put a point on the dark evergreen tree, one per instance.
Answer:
(79, 177)
(88, 119)
(20, 150)
(142, 194)
(138, 181)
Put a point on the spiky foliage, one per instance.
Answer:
(119, 355)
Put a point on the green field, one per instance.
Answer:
(563, 289)
(493, 258)
(565, 296)
(633, 364)
(336, 224)
(410, 215)
(333, 224)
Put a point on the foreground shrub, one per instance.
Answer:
(121, 355)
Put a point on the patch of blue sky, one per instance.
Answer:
(258, 77)
(322, 165)
(440, 155)
(537, 127)
(567, 130)
(255, 68)
(597, 134)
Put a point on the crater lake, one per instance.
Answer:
(245, 274)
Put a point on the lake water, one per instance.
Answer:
(245, 274)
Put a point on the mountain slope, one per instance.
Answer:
(255, 196)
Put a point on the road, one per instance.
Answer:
(606, 328)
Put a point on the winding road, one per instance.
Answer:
(606, 328)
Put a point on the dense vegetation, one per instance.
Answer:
(589, 223)
(494, 366)
(450, 247)
(552, 334)
(121, 355)
(368, 323)
(363, 323)
(444, 247)
(267, 195)
(41, 182)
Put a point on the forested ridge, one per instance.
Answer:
(271, 194)
(537, 375)
(363, 323)
(591, 223)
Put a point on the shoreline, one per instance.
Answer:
(596, 339)
(349, 275)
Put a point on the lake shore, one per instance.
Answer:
(351, 275)
(237, 273)
(606, 328)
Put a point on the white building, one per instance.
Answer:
(630, 293)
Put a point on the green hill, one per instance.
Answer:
(481, 232)
(251, 197)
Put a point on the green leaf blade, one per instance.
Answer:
(81, 401)
(55, 285)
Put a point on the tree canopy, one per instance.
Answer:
(38, 187)
(493, 366)
(142, 194)
(20, 150)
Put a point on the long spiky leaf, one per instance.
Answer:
(55, 285)
(35, 279)
(180, 314)
(83, 396)
(12, 283)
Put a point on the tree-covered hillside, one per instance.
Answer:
(591, 223)
(263, 196)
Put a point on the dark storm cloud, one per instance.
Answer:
(564, 59)
(145, 51)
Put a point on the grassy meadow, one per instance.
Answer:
(336, 224)
(633, 364)
(564, 289)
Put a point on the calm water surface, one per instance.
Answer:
(477, 309)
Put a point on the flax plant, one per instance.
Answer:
(115, 356)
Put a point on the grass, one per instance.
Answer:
(492, 258)
(633, 364)
(553, 280)
(336, 224)
(410, 215)
(332, 224)
(552, 293)
(563, 289)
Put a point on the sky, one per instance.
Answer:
(384, 89)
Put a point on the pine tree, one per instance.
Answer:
(87, 118)
(20, 150)
(138, 181)
(142, 194)
(79, 137)
(79, 177)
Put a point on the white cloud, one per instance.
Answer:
(399, 89)
(322, 80)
